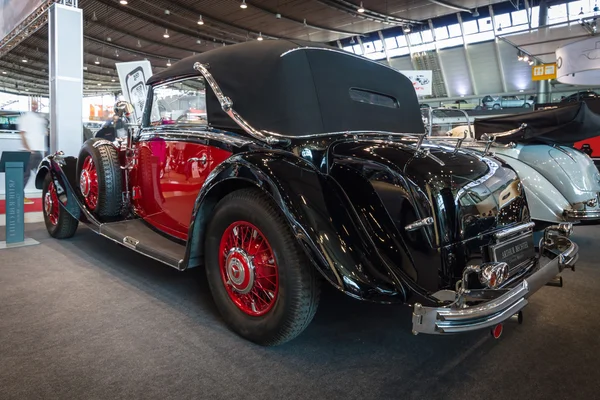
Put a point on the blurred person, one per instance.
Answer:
(32, 128)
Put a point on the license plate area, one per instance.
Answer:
(515, 251)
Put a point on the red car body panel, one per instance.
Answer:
(167, 179)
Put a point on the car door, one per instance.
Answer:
(174, 158)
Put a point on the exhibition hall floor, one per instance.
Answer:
(87, 319)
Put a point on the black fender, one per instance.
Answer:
(63, 171)
(321, 216)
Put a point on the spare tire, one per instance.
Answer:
(100, 178)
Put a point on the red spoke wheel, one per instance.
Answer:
(59, 223)
(263, 285)
(88, 183)
(248, 268)
(100, 178)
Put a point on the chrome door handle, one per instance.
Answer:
(202, 159)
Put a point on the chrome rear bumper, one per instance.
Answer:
(454, 319)
(588, 215)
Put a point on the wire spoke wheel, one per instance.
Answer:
(88, 183)
(248, 268)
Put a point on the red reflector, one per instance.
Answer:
(497, 331)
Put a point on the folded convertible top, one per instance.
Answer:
(564, 125)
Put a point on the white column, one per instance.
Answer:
(65, 55)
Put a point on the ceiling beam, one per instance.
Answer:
(112, 28)
(352, 8)
(162, 23)
(209, 18)
(451, 5)
(303, 22)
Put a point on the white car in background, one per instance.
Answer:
(561, 183)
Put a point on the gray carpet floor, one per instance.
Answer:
(87, 319)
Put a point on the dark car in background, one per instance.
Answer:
(274, 194)
(580, 96)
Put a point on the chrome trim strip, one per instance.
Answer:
(582, 215)
(334, 50)
(419, 224)
(514, 230)
(227, 106)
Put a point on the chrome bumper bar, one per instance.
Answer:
(574, 215)
(445, 320)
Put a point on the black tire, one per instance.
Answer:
(526, 105)
(496, 106)
(61, 225)
(110, 186)
(299, 283)
(478, 108)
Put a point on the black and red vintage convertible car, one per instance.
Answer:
(278, 165)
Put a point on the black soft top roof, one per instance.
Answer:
(302, 88)
(564, 125)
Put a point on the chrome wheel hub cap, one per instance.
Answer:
(239, 270)
(48, 203)
(85, 183)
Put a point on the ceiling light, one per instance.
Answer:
(476, 13)
(352, 41)
(525, 58)
(112, 80)
(406, 28)
(97, 61)
(123, 2)
(95, 18)
(243, 5)
(259, 36)
(166, 35)
(278, 16)
(198, 41)
(530, 62)
(581, 11)
(200, 21)
(4, 72)
(168, 63)
(24, 60)
(109, 39)
(520, 57)
(499, 27)
(139, 44)
(361, 9)
(99, 84)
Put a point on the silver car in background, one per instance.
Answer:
(498, 102)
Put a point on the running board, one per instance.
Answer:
(136, 235)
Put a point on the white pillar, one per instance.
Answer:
(65, 55)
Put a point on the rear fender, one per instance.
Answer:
(320, 216)
(545, 201)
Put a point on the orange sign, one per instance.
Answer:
(543, 72)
